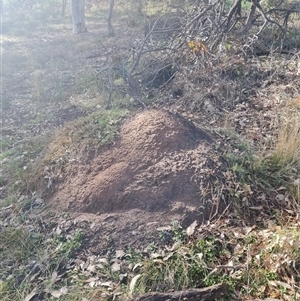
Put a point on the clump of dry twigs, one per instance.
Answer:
(210, 47)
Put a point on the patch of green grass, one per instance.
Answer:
(178, 234)
(133, 256)
(258, 263)
(83, 135)
(13, 61)
(246, 5)
(17, 247)
(86, 82)
(17, 166)
(26, 255)
(184, 267)
(99, 128)
(6, 154)
(39, 118)
(16, 244)
(67, 247)
(240, 165)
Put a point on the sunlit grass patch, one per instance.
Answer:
(287, 148)
(281, 164)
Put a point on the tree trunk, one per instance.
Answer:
(110, 28)
(249, 21)
(234, 10)
(78, 16)
(63, 9)
(140, 7)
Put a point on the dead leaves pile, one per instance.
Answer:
(255, 262)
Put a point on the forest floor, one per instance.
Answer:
(94, 199)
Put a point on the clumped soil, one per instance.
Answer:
(159, 170)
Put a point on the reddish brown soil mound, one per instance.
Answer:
(160, 160)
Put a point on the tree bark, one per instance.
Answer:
(78, 16)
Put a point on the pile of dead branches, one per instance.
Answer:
(206, 36)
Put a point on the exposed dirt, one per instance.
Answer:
(153, 174)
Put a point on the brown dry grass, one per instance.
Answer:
(287, 147)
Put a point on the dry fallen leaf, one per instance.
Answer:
(92, 279)
(120, 254)
(280, 197)
(133, 283)
(116, 267)
(31, 295)
(138, 265)
(108, 284)
(56, 294)
(191, 229)
(167, 228)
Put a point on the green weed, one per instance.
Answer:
(66, 247)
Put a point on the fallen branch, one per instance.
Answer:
(201, 294)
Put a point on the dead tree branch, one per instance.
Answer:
(266, 18)
(198, 35)
(201, 294)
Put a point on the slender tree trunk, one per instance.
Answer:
(140, 7)
(63, 9)
(78, 16)
(234, 10)
(249, 21)
(110, 28)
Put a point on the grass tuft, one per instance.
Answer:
(287, 147)
(281, 166)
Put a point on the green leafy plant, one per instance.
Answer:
(67, 246)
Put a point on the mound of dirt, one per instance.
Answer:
(159, 162)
